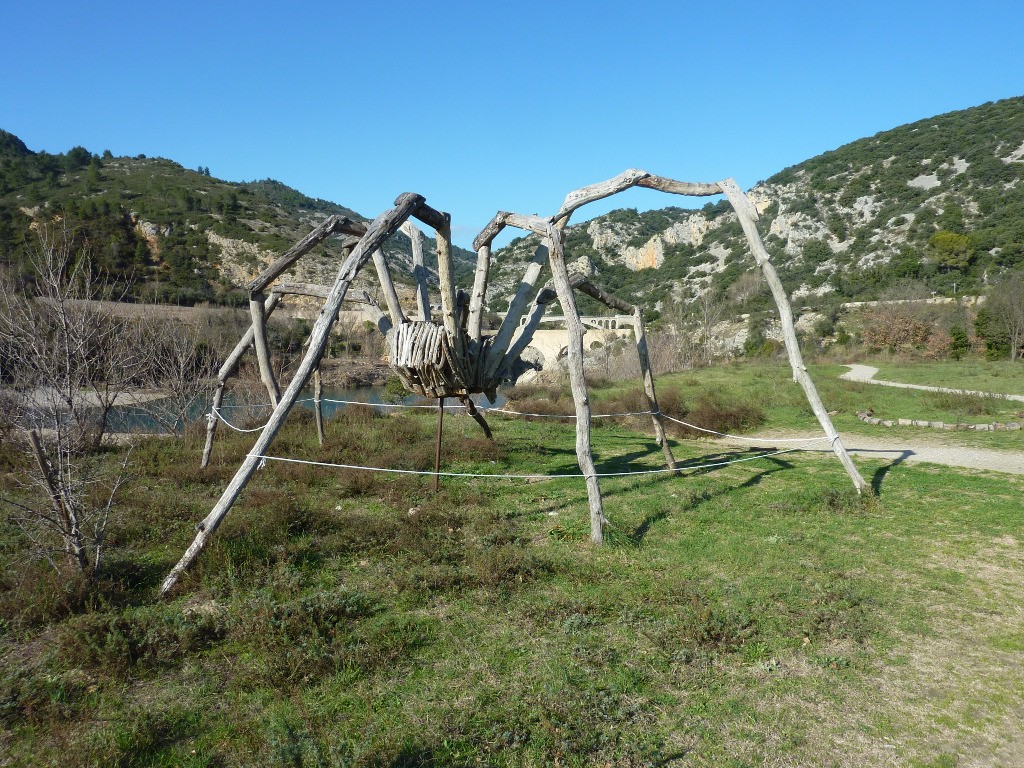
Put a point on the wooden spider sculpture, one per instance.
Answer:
(454, 358)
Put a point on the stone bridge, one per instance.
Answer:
(597, 329)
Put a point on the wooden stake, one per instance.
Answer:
(318, 410)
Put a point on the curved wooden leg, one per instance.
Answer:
(577, 382)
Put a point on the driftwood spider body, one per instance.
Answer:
(454, 358)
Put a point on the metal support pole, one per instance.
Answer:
(437, 445)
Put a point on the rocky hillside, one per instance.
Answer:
(939, 201)
(165, 232)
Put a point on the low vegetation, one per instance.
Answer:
(752, 614)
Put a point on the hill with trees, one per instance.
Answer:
(939, 201)
(161, 232)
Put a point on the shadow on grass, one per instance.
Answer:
(698, 466)
(881, 472)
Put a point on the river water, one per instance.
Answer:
(135, 419)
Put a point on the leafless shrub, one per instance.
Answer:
(65, 363)
(182, 366)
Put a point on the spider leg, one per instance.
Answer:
(540, 304)
(331, 225)
(478, 417)
(376, 233)
(229, 366)
(577, 382)
(419, 272)
(747, 215)
(517, 306)
(388, 285)
(259, 340)
(591, 289)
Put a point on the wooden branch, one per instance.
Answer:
(259, 340)
(227, 368)
(390, 294)
(446, 279)
(476, 301)
(540, 304)
(431, 217)
(693, 189)
(378, 231)
(588, 287)
(580, 197)
(632, 178)
(535, 224)
(477, 416)
(301, 289)
(419, 271)
(211, 423)
(494, 226)
(652, 398)
(517, 307)
(746, 213)
(331, 225)
(577, 382)
(231, 361)
(377, 316)
(614, 302)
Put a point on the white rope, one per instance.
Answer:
(219, 415)
(753, 439)
(264, 458)
(268, 406)
(565, 415)
(387, 405)
(508, 412)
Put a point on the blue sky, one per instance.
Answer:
(486, 106)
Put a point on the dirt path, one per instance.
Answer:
(898, 451)
(866, 374)
(920, 449)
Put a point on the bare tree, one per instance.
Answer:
(180, 369)
(706, 314)
(65, 353)
(1006, 310)
(65, 363)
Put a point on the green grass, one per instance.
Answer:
(755, 614)
(769, 388)
(1000, 377)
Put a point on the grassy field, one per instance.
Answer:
(770, 388)
(748, 615)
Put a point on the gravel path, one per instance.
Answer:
(896, 450)
(866, 374)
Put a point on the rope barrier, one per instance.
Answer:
(485, 409)
(219, 415)
(509, 412)
(752, 439)
(265, 458)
